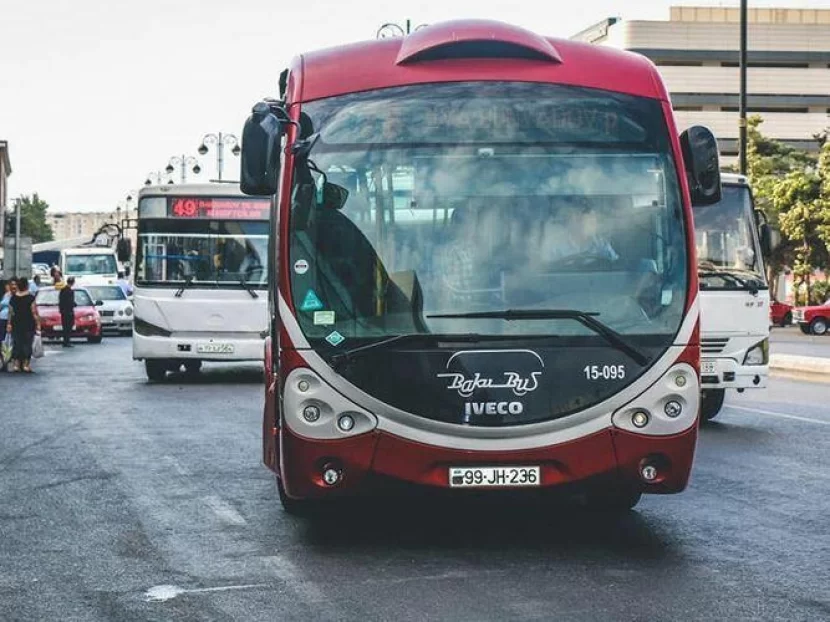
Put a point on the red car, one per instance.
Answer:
(780, 313)
(87, 319)
(814, 319)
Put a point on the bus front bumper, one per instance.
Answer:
(614, 457)
(184, 346)
(726, 373)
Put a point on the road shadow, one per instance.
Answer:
(485, 524)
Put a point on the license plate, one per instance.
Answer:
(707, 367)
(215, 348)
(494, 477)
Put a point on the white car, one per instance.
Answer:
(116, 309)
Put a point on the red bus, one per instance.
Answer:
(485, 271)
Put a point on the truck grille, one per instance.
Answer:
(713, 346)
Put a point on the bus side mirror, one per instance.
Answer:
(770, 238)
(261, 145)
(702, 162)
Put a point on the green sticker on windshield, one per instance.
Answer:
(323, 318)
(335, 338)
(311, 302)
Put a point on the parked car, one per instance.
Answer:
(813, 319)
(780, 313)
(87, 319)
(116, 309)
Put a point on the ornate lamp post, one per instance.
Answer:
(183, 162)
(220, 141)
(390, 29)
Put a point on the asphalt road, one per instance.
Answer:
(125, 501)
(790, 340)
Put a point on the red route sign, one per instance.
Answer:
(219, 208)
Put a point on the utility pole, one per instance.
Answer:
(742, 97)
(18, 205)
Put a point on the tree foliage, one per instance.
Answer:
(792, 187)
(32, 219)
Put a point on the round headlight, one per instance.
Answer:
(640, 419)
(128, 311)
(311, 413)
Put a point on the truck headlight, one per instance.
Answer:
(758, 354)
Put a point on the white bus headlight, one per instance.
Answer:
(758, 354)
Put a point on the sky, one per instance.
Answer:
(97, 94)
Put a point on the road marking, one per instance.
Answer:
(176, 466)
(224, 510)
(777, 414)
(305, 589)
(162, 593)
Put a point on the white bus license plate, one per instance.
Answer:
(494, 477)
(215, 348)
(707, 367)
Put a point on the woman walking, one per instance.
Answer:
(23, 323)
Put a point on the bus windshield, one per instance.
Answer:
(213, 252)
(728, 252)
(451, 199)
(91, 264)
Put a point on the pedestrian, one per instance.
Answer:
(66, 305)
(24, 322)
(9, 288)
(34, 286)
(124, 284)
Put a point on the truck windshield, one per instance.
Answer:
(415, 202)
(728, 253)
(90, 264)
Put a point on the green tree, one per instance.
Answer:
(33, 218)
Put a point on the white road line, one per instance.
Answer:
(162, 593)
(305, 589)
(224, 510)
(777, 414)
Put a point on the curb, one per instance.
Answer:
(800, 364)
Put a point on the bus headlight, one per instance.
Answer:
(758, 354)
(668, 406)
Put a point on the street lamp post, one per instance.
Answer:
(220, 140)
(157, 177)
(742, 97)
(183, 162)
(390, 29)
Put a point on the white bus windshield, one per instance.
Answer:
(212, 252)
(480, 197)
(728, 252)
(88, 264)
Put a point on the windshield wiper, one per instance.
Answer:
(348, 355)
(188, 282)
(244, 283)
(586, 318)
(728, 275)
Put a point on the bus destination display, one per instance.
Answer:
(219, 208)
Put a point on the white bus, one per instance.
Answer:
(734, 295)
(201, 277)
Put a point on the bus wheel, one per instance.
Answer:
(156, 370)
(303, 508)
(192, 367)
(711, 403)
(818, 326)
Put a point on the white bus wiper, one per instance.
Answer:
(188, 282)
(728, 275)
(586, 318)
(348, 355)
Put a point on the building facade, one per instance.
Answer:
(697, 53)
(71, 225)
(5, 171)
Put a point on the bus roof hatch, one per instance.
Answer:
(475, 39)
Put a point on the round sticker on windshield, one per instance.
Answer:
(301, 266)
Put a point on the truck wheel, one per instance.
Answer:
(156, 370)
(303, 508)
(711, 403)
(818, 326)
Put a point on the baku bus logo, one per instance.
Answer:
(469, 371)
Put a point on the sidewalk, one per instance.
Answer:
(794, 364)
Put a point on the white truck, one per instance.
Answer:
(732, 237)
